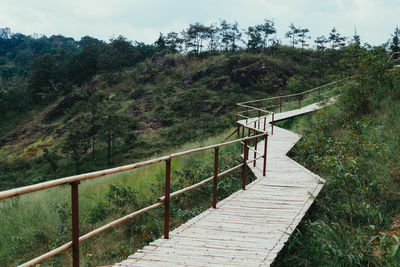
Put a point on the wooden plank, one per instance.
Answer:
(249, 227)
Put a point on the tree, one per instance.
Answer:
(356, 38)
(266, 30)
(292, 34)
(336, 39)
(214, 38)
(51, 157)
(395, 43)
(321, 42)
(303, 36)
(254, 38)
(230, 35)
(194, 37)
(173, 43)
(41, 71)
(77, 142)
(112, 125)
(94, 107)
(160, 43)
(124, 52)
(83, 65)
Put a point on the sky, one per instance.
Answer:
(143, 20)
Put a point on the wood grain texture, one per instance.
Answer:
(251, 226)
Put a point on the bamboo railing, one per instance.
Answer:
(75, 180)
(256, 111)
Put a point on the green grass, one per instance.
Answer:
(354, 145)
(32, 219)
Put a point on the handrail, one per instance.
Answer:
(165, 200)
(285, 96)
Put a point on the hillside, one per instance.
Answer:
(162, 102)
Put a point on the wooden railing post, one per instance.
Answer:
(255, 148)
(214, 203)
(244, 167)
(259, 115)
(299, 101)
(265, 122)
(167, 197)
(247, 114)
(273, 118)
(255, 145)
(241, 144)
(280, 105)
(75, 223)
(265, 154)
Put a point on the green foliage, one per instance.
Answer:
(121, 198)
(355, 149)
(297, 84)
(77, 142)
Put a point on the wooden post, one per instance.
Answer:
(247, 114)
(299, 101)
(280, 105)
(265, 154)
(245, 157)
(259, 115)
(75, 223)
(273, 118)
(214, 204)
(167, 197)
(241, 145)
(265, 122)
(255, 145)
(255, 148)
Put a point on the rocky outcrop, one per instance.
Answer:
(201, 74)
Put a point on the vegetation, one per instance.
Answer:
(92, 105)
(148, 102)
(354, 146)
(109, 198)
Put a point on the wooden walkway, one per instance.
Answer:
(249, 227)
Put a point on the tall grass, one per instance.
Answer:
(354, 145)
(35, 223)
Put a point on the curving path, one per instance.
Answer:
(249, 227)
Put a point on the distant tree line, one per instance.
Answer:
(38, 69)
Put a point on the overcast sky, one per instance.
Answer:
(143, 20)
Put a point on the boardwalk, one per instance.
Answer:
(249, 227)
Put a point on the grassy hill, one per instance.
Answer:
(165, 101)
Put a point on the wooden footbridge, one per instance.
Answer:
(248, 228)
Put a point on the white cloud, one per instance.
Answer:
(144, 19)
